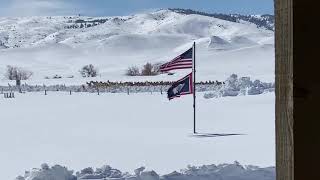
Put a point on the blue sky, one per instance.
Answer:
(127, 7)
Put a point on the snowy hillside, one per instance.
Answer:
(62, 45)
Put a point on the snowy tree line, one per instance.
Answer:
(89, 22)
(148, 69)
(18, 73)
(93, 89)
(234, 171)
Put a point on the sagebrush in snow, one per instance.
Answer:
(150, 70)
(89, 71)
(133, 71)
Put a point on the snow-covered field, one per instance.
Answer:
(128, 131)
(143, 129)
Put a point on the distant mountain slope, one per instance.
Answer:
(63, 44)
(265, 20)
(34, 31)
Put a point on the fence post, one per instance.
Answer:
(45, 92)
(70, 92)
(128, 91)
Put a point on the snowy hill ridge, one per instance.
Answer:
(206, 172)
(63, 44)
(32, 31)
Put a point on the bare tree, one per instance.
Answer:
(147, 69)
(156, 68)
(89, 71)
(17, 73)
(150, 69)
(133, 71)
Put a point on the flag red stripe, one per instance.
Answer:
(183, 64)
(187, 65)
(181, 61)
(177, 67)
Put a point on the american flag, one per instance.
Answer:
(183, 61)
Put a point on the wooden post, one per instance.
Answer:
(284, 90)
(18, 85)
(70, 92)
(45, 92)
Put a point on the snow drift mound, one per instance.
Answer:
(219, 43)
(206, 172)
(241, 41)
(242, 86)
(56, 172)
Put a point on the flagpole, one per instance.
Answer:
(194, 86)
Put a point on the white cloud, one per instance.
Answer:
(37, 7)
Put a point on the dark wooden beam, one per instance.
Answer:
(297, 90)
(306, 89)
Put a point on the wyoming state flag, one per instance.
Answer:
(181, 87)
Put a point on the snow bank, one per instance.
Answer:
(233, 171)
(56, 172)
(241, 41)
(235, 86)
